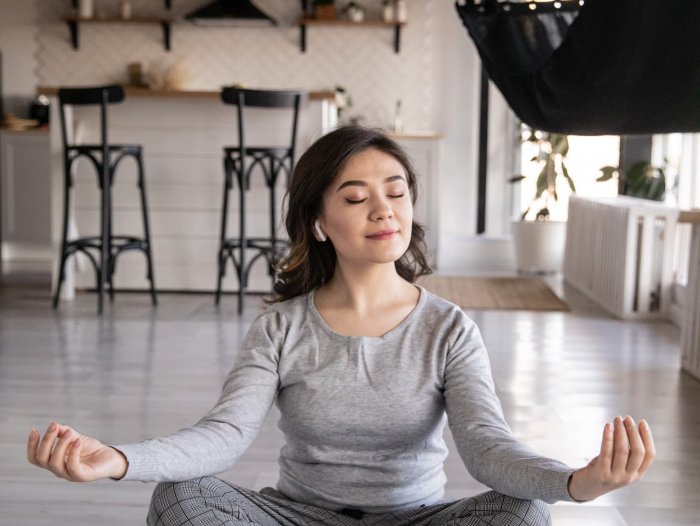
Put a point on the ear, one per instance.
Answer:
(318, 233)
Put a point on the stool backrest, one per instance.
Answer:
(98, 95)
(242, 97)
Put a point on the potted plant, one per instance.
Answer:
(538, 240)
(642, 180)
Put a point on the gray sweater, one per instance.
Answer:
(363, 417)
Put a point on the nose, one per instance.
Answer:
(381, 209)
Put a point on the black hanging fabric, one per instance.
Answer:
(607, 67)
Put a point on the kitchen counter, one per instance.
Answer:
(132, 91)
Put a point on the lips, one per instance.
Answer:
(383, 235)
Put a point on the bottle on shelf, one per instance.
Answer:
(401, 11)
(387, 11)
(86, 9)
(126, 9)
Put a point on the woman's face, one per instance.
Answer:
(367, 212)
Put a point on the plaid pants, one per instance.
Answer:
(209, 501)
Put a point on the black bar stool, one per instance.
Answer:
(105, 157)
(239, 162)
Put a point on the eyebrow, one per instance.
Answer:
(362, 183)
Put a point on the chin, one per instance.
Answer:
(390, 256)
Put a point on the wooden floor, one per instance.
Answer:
(140, 371)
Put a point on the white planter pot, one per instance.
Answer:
(539, 245)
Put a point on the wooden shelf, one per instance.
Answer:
(75, 21)
(131, 91)
(304, 22)
(168, 4)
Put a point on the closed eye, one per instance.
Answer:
(359, 201)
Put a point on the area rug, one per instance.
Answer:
(494, 293)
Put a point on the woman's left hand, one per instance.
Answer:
(625, 455)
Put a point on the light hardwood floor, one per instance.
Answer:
(140, 371)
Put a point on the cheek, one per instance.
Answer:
(405, 209)
(342, 221)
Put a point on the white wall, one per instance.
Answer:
(436, 76)
(361, 59)
(18, 33)
(457, 95)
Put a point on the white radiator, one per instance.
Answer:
(690, 332)
(619, 253)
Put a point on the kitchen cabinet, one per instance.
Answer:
(25, 191)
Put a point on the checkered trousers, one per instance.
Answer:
(209, 501)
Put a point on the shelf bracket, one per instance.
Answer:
(302, 37)
(303, 28)
(166, 34)
(73, 28)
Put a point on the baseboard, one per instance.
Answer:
(30, 256)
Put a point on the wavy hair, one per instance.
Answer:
(309, 263)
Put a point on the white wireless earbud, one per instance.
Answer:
(319, 233)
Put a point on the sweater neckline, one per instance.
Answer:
(311, 306)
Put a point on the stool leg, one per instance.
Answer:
(111, 259)
(273, 215)
(228, 179)
(242, 273)
(146, 228)
(64, 238)
(105, 238)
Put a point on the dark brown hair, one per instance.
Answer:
(310, 263)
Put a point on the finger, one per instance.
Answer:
(649, 449)
(32, 444)
(621, 447)
(636, 455)
(46, 445)
(74, 468)
(606, 449)
(57, 461)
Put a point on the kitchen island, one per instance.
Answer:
(183, 133)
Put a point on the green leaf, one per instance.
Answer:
(568, 178)
(524, 214)
(608, 173)
(638, 171)
(542, 181)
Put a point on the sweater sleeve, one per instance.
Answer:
(219, 439)
(490, 452)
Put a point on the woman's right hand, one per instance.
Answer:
(75, 457)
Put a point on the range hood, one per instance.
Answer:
(230, 12)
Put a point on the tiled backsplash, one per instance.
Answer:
(361, 59)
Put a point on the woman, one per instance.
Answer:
(366, 368)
